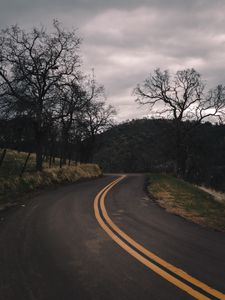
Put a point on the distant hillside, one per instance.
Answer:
(148, 145)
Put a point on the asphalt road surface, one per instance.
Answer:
(105, 239)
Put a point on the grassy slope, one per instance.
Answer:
(187, 200)
(12, 186)
(14, 161)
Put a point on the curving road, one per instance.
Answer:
(86, 242)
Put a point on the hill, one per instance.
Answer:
(149, 145)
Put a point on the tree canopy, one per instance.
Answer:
(41, 80)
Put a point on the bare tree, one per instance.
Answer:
(96, 118)
(75, 96)
(33, 65)
(181, 97)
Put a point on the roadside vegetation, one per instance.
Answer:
(57, 118)
(185, 199)
(15, 163)
(48, 105)
(50, 110)
(13, 186)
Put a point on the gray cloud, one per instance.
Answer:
(125, 40)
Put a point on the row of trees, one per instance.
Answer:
(47, 104)
(184, 99)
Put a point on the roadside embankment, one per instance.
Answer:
(15, 187)
(184, 199)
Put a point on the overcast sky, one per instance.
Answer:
(125, 40)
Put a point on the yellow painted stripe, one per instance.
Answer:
(154, 257)
(149, 254)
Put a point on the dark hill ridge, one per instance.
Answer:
(149, 145)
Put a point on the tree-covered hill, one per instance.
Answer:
(149, 145)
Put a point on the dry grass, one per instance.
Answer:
(218, 196)
(14, 186)
(14, 161)
(187, 200)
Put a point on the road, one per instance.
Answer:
(105, 239)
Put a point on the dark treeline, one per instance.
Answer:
(47, 105)
(150, 145)
(50, 107)
(181, 139)
(183, 98)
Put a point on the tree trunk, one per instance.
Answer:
(50, 161)
(64, 148)
(91, 148)
(39, 153)
(60, 162)
(2, 156)
(181, 162)
(178, 143)
(181, 155)
(39, 162)
(25, 165)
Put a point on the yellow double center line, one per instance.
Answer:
(169, 272)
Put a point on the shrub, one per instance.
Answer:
(30, 181)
